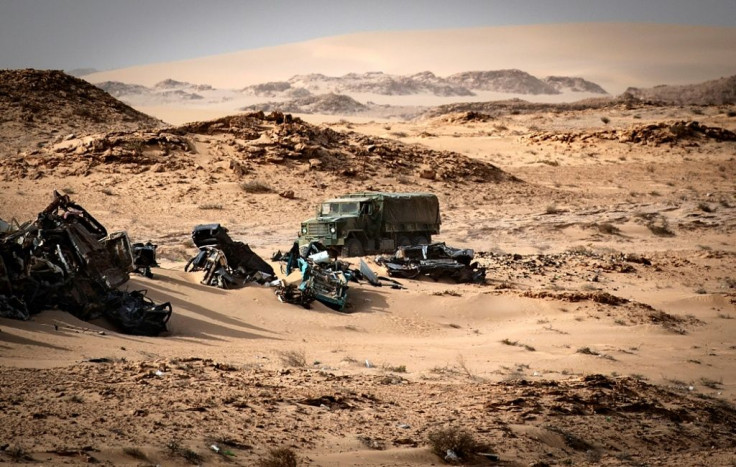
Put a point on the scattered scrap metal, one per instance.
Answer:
(66, 259)
(323, 279)
(436, 260)
(226, 263)
(144, 258)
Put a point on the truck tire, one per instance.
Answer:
(420, 240)
(403, 240)
(353, 247)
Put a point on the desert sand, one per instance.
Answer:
(237, 365)
(604, 333)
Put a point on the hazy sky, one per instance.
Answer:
(106, 34)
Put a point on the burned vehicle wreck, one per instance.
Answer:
(226, 263)
(437, 261)
(65, 259)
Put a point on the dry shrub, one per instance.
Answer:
(211, 206)
(661, 228)
(608, 228)
(176, 449)
(705, 207)
(459, 441)
(135, 453)
(279, 457)
(295, 358)
(255, 187)
(18, 454)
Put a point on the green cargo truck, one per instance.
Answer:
(368, 222)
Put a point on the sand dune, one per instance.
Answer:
(614, 55)
(603, 334)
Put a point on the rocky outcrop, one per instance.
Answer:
(39, 105)
(688, 132)
(716, 92)
(379, 83)
(574, 84)
(328, 104)
(509, 81)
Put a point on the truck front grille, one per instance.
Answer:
(317, 230)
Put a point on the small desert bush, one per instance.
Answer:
(255, 187)
(552, 209)
(710, 383)
(589, 351)
(176, 449)
(705, 207)
(18, 454)
(395, 369)
(295, 358)
(135, 453)
(518, 344)
(279, 457)
(454, 439)
(608, 228)
(210, 206)
(661, 229)
(605, 120)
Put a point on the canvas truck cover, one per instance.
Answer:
(411, 208)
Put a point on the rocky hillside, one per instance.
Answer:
(716, 92)
(671, 133)
(167, 90)
(459, 84)
(379, 83)
(511, 81)
(328, 104)
(566, 83)
(37, 106)
(238, 145)
(520, 106)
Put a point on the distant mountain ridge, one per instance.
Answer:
(458, 84)
(168, 90)
(328, 104)
(715, 92)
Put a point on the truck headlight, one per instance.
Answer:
(304, 229)
(333, 229)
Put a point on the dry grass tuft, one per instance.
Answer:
(256, 187)
(294, 358)
(454, 439)
(210, 206)
(176, 449)
(661, 228)
(279, 457)
(135, 453)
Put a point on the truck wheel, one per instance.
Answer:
(420, 240)
(353, 247)
(403, 240)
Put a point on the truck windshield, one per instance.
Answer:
(339, 209)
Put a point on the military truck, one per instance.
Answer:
(369, 222)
